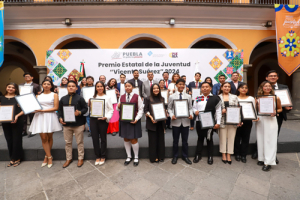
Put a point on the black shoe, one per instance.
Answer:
(136, 163)
(260, 163)
(224, 161)
(114, 133)
(24, 134)
(254, 156)
(238, 158)
(89, 135)
(229, 162)
(161, 160)
(127, 162)
(266, 168)
(277, 161)
(174, 160)
(30, 135)
(187, 160)
(244, 159)
(210, 161)
(197, 158)
(169, 127)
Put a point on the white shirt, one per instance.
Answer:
(28, 83)
(236, 84)
(173, 86)
(122, 89)
(140, 104)
(200, 106)
(109, 109)
(136, 83)
(276, 86)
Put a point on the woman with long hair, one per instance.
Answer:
(72, 78)
(83, 83)
(13, 130)
(267, 130)
(64, 82)
(155, 129)
(172, 86)
(45, 121)
(113, 126)
(208, 80)
(49, 78)
(99, 125)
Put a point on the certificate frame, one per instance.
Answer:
(22, 104)
(258, 107)
(167, 95)
(213, 119)
(59, 89)
(175, 101)
(133, 109)
(21, 86)
(163, 106)
(226, 118)
(138, 89)
(253, 109)
(103, 108)
(195, 88)
(12, 116)
(84, 94)
(114, 100)
(288, 94)
(64, 113)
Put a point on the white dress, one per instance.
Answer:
(45, 122)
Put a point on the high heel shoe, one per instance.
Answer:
(229, 162)
(224, 161)
(50, 165)
(44, 164)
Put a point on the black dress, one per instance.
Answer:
(13, 132)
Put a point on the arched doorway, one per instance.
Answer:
(76, 43)
(210, 44)
(144, 41)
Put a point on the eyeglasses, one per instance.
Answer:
(274, 76)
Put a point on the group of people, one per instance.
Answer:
(234, 139)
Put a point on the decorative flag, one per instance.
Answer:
(288, 37)
(1, 33)
(82, 71)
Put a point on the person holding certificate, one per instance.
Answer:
(227, 131)
(72, 107)
(207, 110)
(180, 125)
(195, 85)
(267, 128)
(99, 125)
(45, 121)
(72, 78)
(13, 127)
(162, 86)
(113, 126)
(242, 136)
(155, 128)
(131, 130)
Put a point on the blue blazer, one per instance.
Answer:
(169, 81)
(119, 86)
(233, 88)
(193, 85)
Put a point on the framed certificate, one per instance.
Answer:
(207, 120)
(233, 115)
(62, 91)
(248, 110)
(7, 113)
(88, 93)
(25, 89)
(127, 112)
(181, 108)
(266, 105)
(136, 90)
(69, 113)
(165, 94)
(28, 103)
(284, 96)
(159, 111)
(97, 107)
(112, 95)
(195, 93)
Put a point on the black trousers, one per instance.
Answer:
(184, 131)
(168, 122)
(242, 137)
(99, 127)
(279, 121)
(193, 123)
(157, 143)
(25, 121)
(13, 136)
(202, 133)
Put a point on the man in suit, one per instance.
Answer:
(194, 84)
(103, 79)
(186, 86)
(36, 90)
(234, 82)
(166, 79)
(180, 125)
(121, 85)
(217, 86)
(137, 82)
(147, 84)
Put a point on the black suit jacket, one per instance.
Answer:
(284, 111)
(233, 89)
(140, 85)
(193, 85)
(36, 88)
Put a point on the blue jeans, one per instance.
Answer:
(88, 122)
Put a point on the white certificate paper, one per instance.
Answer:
(6, 113)
(266, 105)
(69, 114)
(164, 94)
(195, 93)
(62, 91)
(112, 95)
(97, 108)
(284, 97)
(206, 119)
(233, 115)
(25, 89)
(181, 108)
(127, 112)
(248, 110)
(88, 93)
(28, 103)
(136, 90)
(159, 111)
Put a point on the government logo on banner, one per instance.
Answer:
(288, 37)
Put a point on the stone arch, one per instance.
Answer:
(144, 36)
(216, 37)
(65, 38)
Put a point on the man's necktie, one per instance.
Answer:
(196, 84)
(128, 98)
(167, 84)
(150, 83)
(136, 83)
(180, 96)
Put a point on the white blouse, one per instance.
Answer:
(249, 98)
(109, 109)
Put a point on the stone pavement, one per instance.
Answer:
(152, 181)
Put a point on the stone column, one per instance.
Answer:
(42, 71)
(295, 112)
(246, 66)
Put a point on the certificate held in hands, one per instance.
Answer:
(165, 94)
(159, 112)
(233, 115)
(195, 93)
(136, 90)
(62, 91)
(112, 95)
(181, 108)
(266, 105)
(88, 93)
(97, 107)
(127, 112)
(69, 113)
(248, 110)
(207, 120)
(28, 103)
(285, 97)
(25, 89)
(7, 114)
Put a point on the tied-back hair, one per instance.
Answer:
(221, 91)
(104, 90)
(51, 83)
(109, 84)
(237, 93)
(15, 86)
(173, 77)
(260, 88)
(152, 96)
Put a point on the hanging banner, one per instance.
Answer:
(288, 37)
(113, 62)
(1, 33)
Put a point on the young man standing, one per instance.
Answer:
(137, 82)
(73, 127)
(217, 86)
(234, 82)
(121, 85)
(180, 125)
